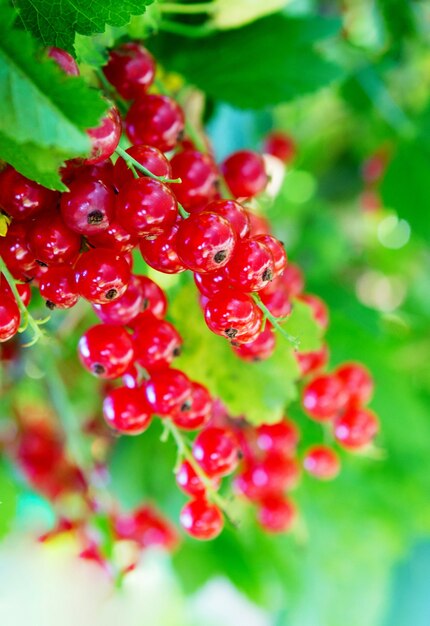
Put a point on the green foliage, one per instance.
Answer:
(8, 498)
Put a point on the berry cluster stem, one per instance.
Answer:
(132, 162)
(275, 322)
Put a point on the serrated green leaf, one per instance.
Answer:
(55, 22)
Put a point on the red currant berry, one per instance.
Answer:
(231, 315)
(64, 60)
(355, 428)
(201, 520)
(147, 528)
(373, 167)
(322, 462)
(160, 253)
(280, 145)
(10, 317)
(21, 197)
(101, 275)
(212, 283)
(251, 267)
(126, 410)
(146, 207)
(281, 437)
(16, 253)
(293, 280)
(74, 169)
(277, 514)
(216, 450)
(156, 343)
(323, 397)
(88, 206)
(130, 69)
(205, 242)
(130, 378)
(234, 213)
(277, 249)
(259, 349)
(115, 237)
(244, 173)
(123, 309)
(311, 362)
(272, 475)
(156, 121)
(106, 350)
(276, 298)
(24, 291)
(57, 286)
(318, 307)
(148, 156)
(154, 299)
(105, 138)
(357, 382)
(199, 178)
(188, 481)
(197, 412)
(167, 390)
(51, 240)
(259, 225)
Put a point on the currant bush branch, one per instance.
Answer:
(131, 161)
(275, 322)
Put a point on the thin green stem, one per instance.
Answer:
(182, 211)
(275, 322)
(132, 162)
(187, 30)
(187, 9)
(111, 91)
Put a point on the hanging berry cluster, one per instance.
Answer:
(165, 197)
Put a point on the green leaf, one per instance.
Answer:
(8, 499)
(259, 65)
(54, 22)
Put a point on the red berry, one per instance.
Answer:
(197, 412)
(16, 253)
(130, 378)
(106, 350)
(293, 280)
(322, 462)
(58, 287)
(51, 240)
(275, 297)
(272, 475)
(21, 197)
(146, 527)
(199, 178)
(75, 169)
(323, 397)
(148, 156)
(130, 69)
(123, 309)
(160, 253)
(234, 213)
(251, 267)
(212, 283)
(10, 317)
(277, 514)
(201, 520)
(216, 451)
(231, 315)
(167, 390)
(259, 225)
(189, 482)
(154, 299)
(24, 291)
(88, 207)
(156, 343)
(277, 249)
(105, 138)
(146, 207)
(115, 237)
(280, 145)
(126, 410)
(357, 382)
(355, 428)
(64, 60)
(374, 166)
(259, 349)
(156, 121)
(318, 307)
(101, 275)
(281, 437)
(311, 362)
(244, 173)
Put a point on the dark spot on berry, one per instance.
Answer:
(151, 237)
(217, 185)
(51, 306)
(186, 406)
(220, 256)
(267, 274)
(181, 135)
(231, 332)
(111, 294)
(95, 217)
(177, 351)
(41, 263)
(98, 369)
(145, 304)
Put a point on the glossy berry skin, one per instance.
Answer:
(21, 197)
(130, 69)
(318, 307)
(75, 169)
(323, 397)
(64, 60)
(156, 343)
(205, 242)
(251, 267)
(276, 298)
(357, 382)
(231, 315)
(259, 349)
(105, 138)
(312, 362)
(154, 298)
(274, 474)
(16, 253)
(126, 410)
(188, 481)
(277, 249)
(146, 527)
(216, 451)
(10, 317)
(58, 287)
(51, 241)
(88, 207)
(277, 514)
(161, 254)
(167, 390)
(281, 437)
(106, 350)
(156, 121)
(293, 280)
(259, 225)
(244, 173)
(123, 309)
(234, 213)
(101, 275)
(280, 145)
(24, 290)
(199, 177)
(201, 520)
(197, 412)
(355, 428)
(212, 283)
(146, 207)
(321, 462)
(148, 156)
(115, 237)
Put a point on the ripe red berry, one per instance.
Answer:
(357, 382)
(167, 390)
(58, 287)
(280, 145)
(274, 474)
(234, 213)
(323, 397)
(259, 225)
(51, 240)
(146, 527)
(212, 283)
(260, 348)
(205, 242)
(161, 254)
(10, 317)
(189, 481)
(156, 121)
(244, 173)
(355, 428)
(115, 237)
(199, 177)
(101, 275)
(88, 207)
(277, 249)
(23, 289)
(293, 280)
(148, 156)
(318, 307)
(106, 350)
(146, 207)
(64, 60)
(21, 197)
(277, 514)
(322, 462)
(195, 413)
(216, 451)
(281, 437)
(130, 69)
(75, 169)
(275, 297)
(125, 308)
(126, 410)
(154, 298)
(105, 138)
(156, 343)
(251, 267)
(16, 253)
(311, 362)
(231, 315)
(201, 520)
